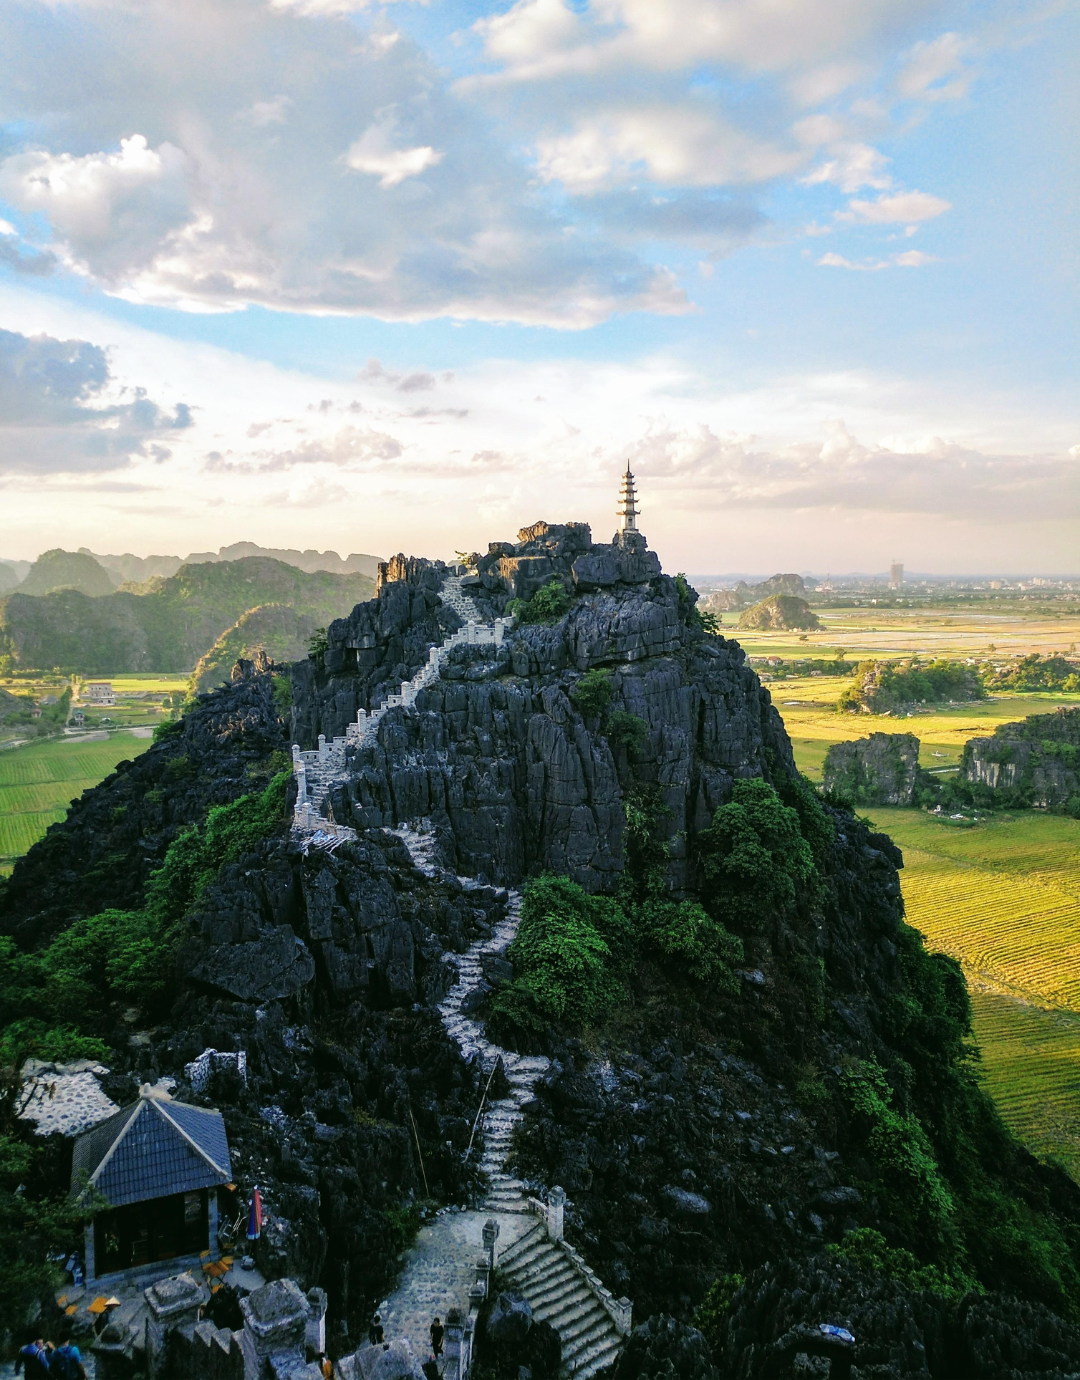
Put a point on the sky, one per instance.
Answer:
(410, 276)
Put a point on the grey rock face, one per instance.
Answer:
(879, 770)
(273, 966)
(1037, 760)
(495, 753)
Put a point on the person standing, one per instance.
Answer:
(33, 1360)
(437, 1333)
(66, 1363)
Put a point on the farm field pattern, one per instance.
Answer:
(1003, 897)
(37, 782)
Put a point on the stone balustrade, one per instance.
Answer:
(316, 771)
(552, 1214)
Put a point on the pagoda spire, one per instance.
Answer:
(628, 511)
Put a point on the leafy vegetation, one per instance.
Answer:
(592, 693)
(279, 630)
(881, 687)
(69, 993)
(547, 605)
(59, 569)
(754, 858)
(1035, 672)
(868, 1250)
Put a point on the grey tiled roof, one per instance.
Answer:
(154, 1148)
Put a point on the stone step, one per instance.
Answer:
(596, 1357)
(538, 1265)
(523, 1247)
(585, 1337)
(521, 1263)
(556, 1295)
(565, 1310)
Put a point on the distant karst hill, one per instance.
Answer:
(279, 630)
(138, 568)
(167, 624)
(782, 613)
(726, 600)
(59, 569)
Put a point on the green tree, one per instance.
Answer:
(753, 858)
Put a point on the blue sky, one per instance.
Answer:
(409, 276)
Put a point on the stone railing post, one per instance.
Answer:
(556, 1210)
(491, 1235)
(622, 1314)
(454, 1332)
(322, 748)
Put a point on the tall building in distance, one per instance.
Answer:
(628, 511)
(896, 575)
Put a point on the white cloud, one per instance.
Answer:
(372, 153)
(851, 166)
(538, 39)
(910, 258)
(934, 71)
(903, 207)
(173, 173)
(838, 261)
(680, 145)
(108, 207)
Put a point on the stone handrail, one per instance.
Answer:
(551, 1214)
(316, 770)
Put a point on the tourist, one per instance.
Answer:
(33, 1360)
(375, 1331)
(326, 1366)
(66, 1363)
(437, 1333)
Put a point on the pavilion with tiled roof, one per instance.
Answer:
(158, 1164)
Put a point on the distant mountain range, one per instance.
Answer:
(169, 623)
(136, 569)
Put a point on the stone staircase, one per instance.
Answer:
(550, 1278)
(318, 770)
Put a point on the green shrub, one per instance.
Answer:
(592, 694)
(545, 606)
(754, 858)
(712, 1311)
(317, 646)
(907, 1178)
(868, 1250)
(686, 933)
(566, 955)
(627, 730)
(282, 689)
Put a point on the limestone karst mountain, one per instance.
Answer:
(167, 624)
(761, 1144)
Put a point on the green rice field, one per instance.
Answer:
(39, 780)
(1003, 897)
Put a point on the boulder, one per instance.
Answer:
(880, 770)
(510, 1319)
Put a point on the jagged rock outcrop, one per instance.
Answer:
(514, 780)
(880, 770)
(1033, 762)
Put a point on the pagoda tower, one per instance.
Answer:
(628, 510)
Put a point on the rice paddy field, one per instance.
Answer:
(808, 707)
(38, 781)
(1003, 897)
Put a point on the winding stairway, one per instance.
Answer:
(534, 1258)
